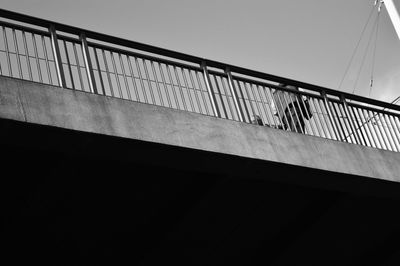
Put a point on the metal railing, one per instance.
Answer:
(51, 53)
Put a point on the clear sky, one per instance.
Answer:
(307, 40)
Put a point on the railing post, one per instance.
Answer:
(209, 89)
(234, 94)
(328, 109)
(57, 56)
(88, 63)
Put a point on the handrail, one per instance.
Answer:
(96, 63)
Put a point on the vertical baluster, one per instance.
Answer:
(37, 58)
(263, 104)
(347, 133)
(383, 132)
(285, 120)
(57, 57)
(78, 67)
(365, 124)
(220, 96)
(7, 51)
(357, 125)
(232, 88)
(69, 65)
(133, 78)
(46, 57)
(327, 122)
(304, 115)
(397, 122)
(125, 79)
(275, 98)
(396, 128)
(227, 98)
(377, 131)
(202, 94)
(321, 121)
(88, 64)
(103, 92)
(316, 118)
(386, 135)
(188, 89)
(210, 89)
(372, 128)
(390, 130)
(17, 54)
(330, 116)
(27, 56)
(350, 119)
(108, 73)
(157, 83)
(141, 80)
(256, 102)
(165, 84)
(314, 131)
(342, 132)
(172, 87)
(247, 91)
(288, 100)
(194, 91)
(269, 97)
(116, 74)
(299, 113)
(146, 72)
(180, 88)
(240, 89)
(273, 110)
(1, 70)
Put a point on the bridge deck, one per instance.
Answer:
(47, 105)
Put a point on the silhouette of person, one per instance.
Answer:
(296, 110)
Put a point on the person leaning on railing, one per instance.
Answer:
(292, 109)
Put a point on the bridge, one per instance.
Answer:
(119, 151)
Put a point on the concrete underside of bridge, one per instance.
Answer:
(71, 196)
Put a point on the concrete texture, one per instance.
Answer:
(47, 105)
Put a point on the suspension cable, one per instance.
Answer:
(374, 56)
(365, 55)
(356, 48)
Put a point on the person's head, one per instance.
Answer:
(292, 87)
(288, 86)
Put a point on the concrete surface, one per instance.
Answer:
(47, 105)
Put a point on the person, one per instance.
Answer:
(292, 109)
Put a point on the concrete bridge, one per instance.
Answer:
(92, 178)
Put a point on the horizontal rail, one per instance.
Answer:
(144, 56)
(23, 28)
(372, 109)
(79, 59)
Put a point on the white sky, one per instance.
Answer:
(307, 40)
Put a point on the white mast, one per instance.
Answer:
(393, 14)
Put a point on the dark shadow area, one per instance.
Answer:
(74, 198)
